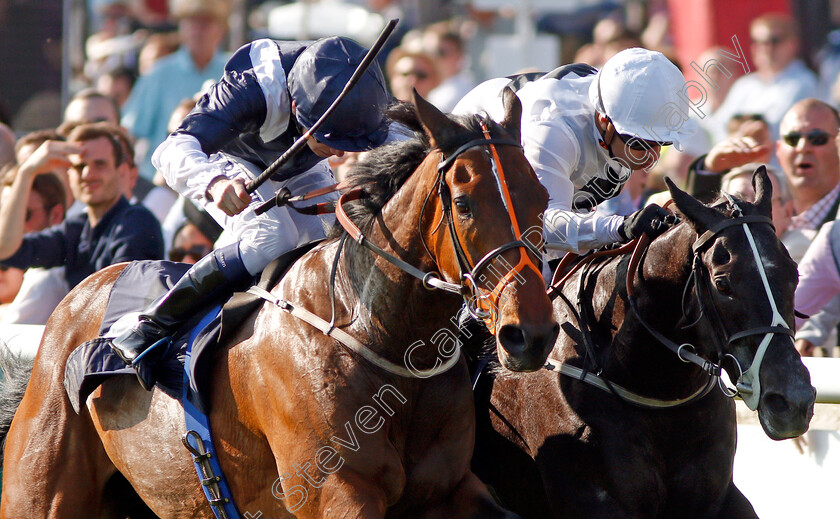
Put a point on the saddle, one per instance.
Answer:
(140, 284)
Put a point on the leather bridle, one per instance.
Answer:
(482, 303)
(747, 384)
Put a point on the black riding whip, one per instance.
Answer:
(301, 141)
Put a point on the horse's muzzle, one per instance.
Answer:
(526, 347)
(784, 416)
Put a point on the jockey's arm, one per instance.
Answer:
(250, 97)
(569, 231)
(554, 156)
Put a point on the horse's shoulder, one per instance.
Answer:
(308, 277)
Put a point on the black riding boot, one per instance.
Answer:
(198, 288)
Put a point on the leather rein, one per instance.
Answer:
(747, 384)
(481, 303)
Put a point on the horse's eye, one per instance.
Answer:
(722, 285)
(462, 204)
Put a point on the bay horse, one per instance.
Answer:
(302, 424)
(622, 426)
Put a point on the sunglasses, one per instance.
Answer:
(196, 251)
(419, 74)
(748, 117)
(772, 41)
(635, 143)
(814, 138)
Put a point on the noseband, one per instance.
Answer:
(481, 303)
(484, 304)
(747, 385)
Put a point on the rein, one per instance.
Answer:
(747, 385)
(637, 246)
(430, 280)
(748, 382)
(480, 305)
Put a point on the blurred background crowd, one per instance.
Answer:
(763, 83)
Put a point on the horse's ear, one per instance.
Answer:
(434, 122)
(763, 191)
(701, 216)
(513, 112)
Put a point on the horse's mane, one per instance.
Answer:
(381, 174)
(721, 204)
(385, 169)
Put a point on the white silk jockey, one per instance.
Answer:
(638, 90)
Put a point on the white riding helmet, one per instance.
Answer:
(642, 93)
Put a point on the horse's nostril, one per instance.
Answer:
(776, 404)
(512, 338)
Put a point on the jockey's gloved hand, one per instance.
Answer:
(651, 220)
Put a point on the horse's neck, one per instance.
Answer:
(392, 303)
(658, 290)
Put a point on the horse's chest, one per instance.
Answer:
(438, 442)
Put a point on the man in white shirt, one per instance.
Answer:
(585, 132)
(780, 78)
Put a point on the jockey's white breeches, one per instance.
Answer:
(264, 237)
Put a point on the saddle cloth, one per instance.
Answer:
(139, 285)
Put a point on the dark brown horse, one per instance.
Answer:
(304, 424)
(650, 434)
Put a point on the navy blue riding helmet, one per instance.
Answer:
(318, 76)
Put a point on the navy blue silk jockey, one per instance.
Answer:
(270, 94)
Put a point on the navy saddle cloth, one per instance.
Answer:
(139, 285)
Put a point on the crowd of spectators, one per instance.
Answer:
(65, 188)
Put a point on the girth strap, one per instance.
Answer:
(199, 441)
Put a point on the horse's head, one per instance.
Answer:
(489, 198)
(745, 281)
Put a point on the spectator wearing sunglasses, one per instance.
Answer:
(195, 237)
(443, 43)
(110, 231)
(42, 289)
(407, 70)
(779, 80)
(808, 155)
(586, 131)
